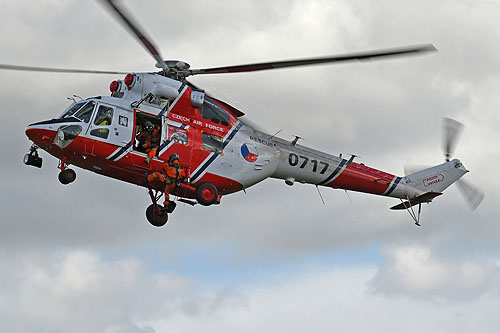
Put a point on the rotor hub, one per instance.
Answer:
(177, 69)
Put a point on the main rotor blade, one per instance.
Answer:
(55, 70)
(472, 194)
(362, 56)
(411, 168)
(452, 130)
(146, 41)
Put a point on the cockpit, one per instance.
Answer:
(81, 110)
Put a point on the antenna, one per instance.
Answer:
(320, 195)
(294, 142)
(348, 195)
(275, 134)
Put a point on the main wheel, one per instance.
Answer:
(206, 194)
(158, 220)
(67, 176)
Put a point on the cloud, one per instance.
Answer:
(325, 299)
(420, 272)
(79, 291)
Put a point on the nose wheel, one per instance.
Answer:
(67, 176)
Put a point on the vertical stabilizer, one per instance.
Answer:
(437, 178)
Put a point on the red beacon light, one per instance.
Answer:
(114, 86)
(129, 80)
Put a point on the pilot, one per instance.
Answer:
(104, 118)
(149, 140)
(172, 174)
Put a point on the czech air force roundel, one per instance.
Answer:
(249, 153)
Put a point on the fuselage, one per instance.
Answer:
(213, 144)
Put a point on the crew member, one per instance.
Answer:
(172, 174)
(149, 140)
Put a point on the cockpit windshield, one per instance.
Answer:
(81, 110)
(72, 109)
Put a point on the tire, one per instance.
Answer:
(206, 194)
(155, 219)
(67, 176)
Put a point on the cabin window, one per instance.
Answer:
(104, 116)
(214, 112)
(211, 142)
(100, 132)
(178, 135)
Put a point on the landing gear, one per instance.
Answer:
(32, 157)
(170, 207)
(67, 176)
(157, 214)
(206, 194)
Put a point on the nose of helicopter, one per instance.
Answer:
(41, 133)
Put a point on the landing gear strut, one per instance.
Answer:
(66, 175)
(32, 157)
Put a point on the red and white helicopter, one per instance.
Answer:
(220, 153)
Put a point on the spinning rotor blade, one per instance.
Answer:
(472, 194)
(362, 56)
(55, 70)
(452, 130)
(141, 36)
(409, 169)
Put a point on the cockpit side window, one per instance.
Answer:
(85, 113)
(104, 116)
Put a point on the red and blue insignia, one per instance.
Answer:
(249, 153)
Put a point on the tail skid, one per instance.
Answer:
(408, 205)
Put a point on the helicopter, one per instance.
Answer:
(219, 152)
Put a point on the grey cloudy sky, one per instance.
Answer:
(82, 257)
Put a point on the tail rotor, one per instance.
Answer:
(452, 131)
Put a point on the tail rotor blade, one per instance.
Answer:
(452, 130)
(472, 194)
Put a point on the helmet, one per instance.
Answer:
(148, 125)
(172, 158)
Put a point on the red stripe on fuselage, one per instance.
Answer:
(359, 177)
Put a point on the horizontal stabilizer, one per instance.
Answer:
(426, 197)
